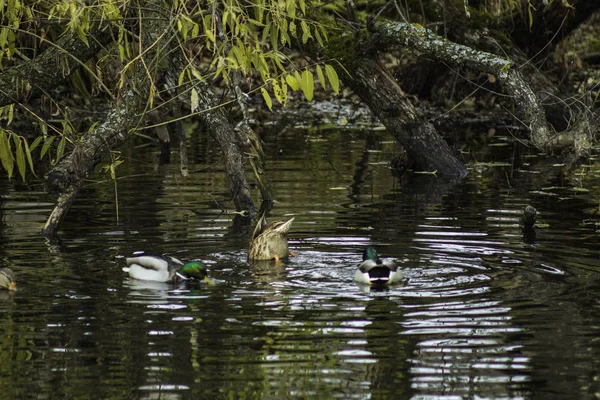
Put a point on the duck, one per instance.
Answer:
(159, 268)
(375, 271)
(269, 242)
(7, 279)
(527, 220)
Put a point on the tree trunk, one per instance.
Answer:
(375, 86)
(232, 143)
(420, 139)
(68, 175)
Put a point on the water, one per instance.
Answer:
(485, 311)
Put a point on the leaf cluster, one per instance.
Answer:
(218, 39)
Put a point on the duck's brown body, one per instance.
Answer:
(269, 241)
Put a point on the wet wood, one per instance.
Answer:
(379, 90)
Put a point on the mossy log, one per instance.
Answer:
(527, 106)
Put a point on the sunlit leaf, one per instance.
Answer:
(291, 8)
(293, 82)
(302, 4)
(308, 84)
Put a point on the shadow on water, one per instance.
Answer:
(485, 310)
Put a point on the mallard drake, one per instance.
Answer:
(153, 267)
(269, 242)
(7, 279)
(375, 271)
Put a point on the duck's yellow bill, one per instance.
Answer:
(12, 286)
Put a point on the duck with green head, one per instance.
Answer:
(157, 268)
(375, 271)
(7, 279)
(269, 241)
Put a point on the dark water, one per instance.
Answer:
(485, 312)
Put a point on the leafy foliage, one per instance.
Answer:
(219, 38)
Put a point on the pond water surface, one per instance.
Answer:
(485, 311)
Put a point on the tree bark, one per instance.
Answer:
(527, 106)
(232, 143)
(360, 71)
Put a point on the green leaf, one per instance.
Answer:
(319, 38)
(207, 25)
(333, 78)
(267, 98)
(305, 31)
(20, 155)
(36, 143)
(321, 76)
(6, 156)
(302, 5)
(60, 150)
(194, 100)
(274, 36)
(46, 146)
(308, 84)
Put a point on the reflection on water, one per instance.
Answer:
(484, 312)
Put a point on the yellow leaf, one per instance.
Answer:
(278, 92)
(293, 82)
(291, 8)
(267, 98)
(321, 76)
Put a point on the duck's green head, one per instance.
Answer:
(193, 270)
(370, 254)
